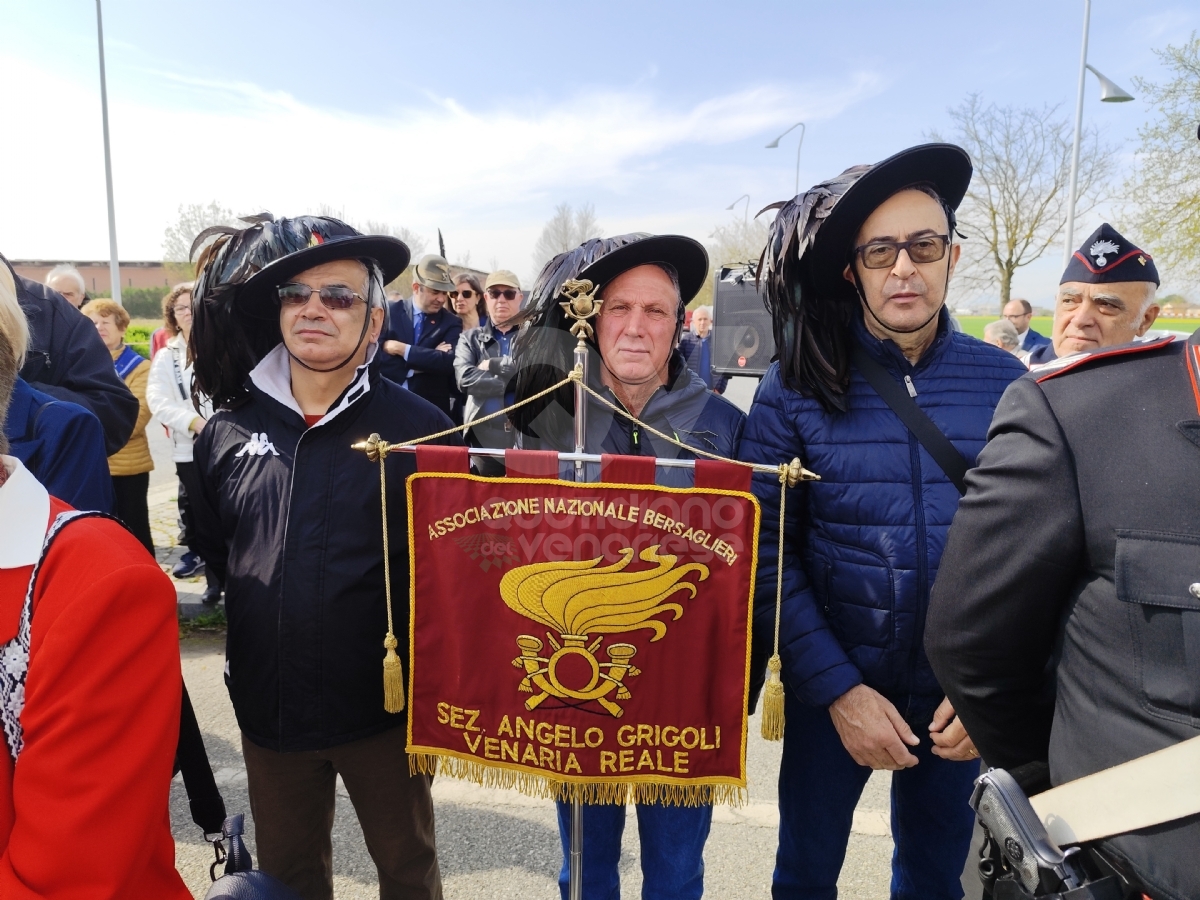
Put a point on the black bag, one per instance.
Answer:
(240, 880)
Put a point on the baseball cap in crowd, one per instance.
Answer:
(433, 272)
(502, 278)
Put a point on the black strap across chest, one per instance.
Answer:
(936, 444)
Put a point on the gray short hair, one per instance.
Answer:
(699, 309)
(1003, 331)
(66, 270)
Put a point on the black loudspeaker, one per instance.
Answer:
(743, 342)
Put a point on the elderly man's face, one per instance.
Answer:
(428, 301)
(68, 287)
(701, 323)
(319, 336)
(636, 326)
(1091, 316)
(906, 295)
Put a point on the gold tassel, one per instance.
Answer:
(393, 677)
(772, 715)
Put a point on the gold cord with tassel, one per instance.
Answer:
(772, 717)
(393, 672)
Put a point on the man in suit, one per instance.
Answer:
(1019, 312)
(418, 346)
(1095, 308)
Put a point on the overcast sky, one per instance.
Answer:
(479, 118)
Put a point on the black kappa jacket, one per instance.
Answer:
(290, 516)
(1065, 620)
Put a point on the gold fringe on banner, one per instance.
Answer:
(595, 793)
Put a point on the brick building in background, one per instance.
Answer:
(96, 274)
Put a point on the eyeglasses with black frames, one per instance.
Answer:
(928, 248)
(509, 294)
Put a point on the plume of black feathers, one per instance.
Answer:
(812, 327)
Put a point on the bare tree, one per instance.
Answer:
(193, 219)
(1164, 191)
(739, 241)
(567, 229)
(1016, 207)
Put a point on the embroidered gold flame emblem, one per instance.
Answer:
(580, 599)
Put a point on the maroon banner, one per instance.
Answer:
(581, 640)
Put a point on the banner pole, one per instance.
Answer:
(582, 306)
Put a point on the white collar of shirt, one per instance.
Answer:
(24, 516)
(273, 376)
(1021, 338)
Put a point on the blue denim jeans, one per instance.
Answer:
(672, 840)
(819, 786)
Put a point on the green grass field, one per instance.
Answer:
(973, 325)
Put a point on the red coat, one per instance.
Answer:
(85, 813)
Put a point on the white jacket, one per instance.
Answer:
(169, 396)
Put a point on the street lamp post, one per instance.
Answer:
(1109, 93)
(114, 267)
(746, 214)
(775, 143)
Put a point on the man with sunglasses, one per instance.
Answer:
(484, 367)
(870, 375)
(419, 343)
(287, 320)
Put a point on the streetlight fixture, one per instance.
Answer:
(746, 215)
(1109, 93)
(114, 268)
(775, 143)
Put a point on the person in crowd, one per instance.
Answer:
(644, 283)
(60, 443)
(1080, 653)
(467, 301)
(90, 696)
(159, 337)
(484, 368)
(1003, 334)
(130, 466)
(67, 360)
(872, 249)
(1019, 313)
(287, 351)
(697, 348)
(1092, 310)
(66, 280)
(169, 393)
(419, 343)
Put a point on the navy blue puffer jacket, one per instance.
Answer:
(862, 545)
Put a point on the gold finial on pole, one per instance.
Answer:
(375, 447)
(793, 473)
(581, 304)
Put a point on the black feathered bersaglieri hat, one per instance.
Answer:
(809, 245)
(545, 346)
(235, 308)
(1107, 256)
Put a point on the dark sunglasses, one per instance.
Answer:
(465, 293)
(507, 293)
(332, 296)
(883, 254)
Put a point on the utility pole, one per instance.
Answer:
(114, 267)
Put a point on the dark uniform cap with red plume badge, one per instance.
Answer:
(1107, 257)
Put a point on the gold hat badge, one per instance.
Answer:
(577, 600)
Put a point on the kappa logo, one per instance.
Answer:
(258, 445)
(1102, 249)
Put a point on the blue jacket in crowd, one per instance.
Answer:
(863, 544)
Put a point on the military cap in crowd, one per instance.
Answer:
(1107, 257)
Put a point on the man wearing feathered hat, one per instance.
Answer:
(1105, 298)
(287, 319)
(644, 283)
(877, 394)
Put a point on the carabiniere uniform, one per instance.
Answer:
(1078, 542)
